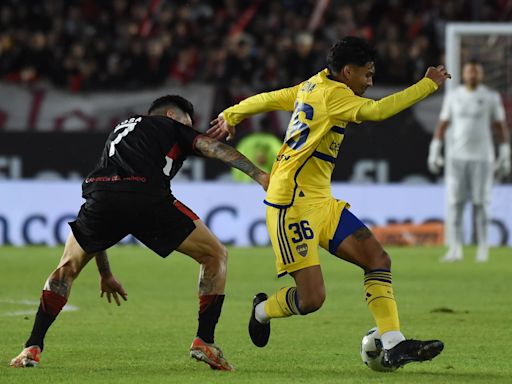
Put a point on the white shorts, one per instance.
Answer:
(468, 180)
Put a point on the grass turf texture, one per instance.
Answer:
(146, 340)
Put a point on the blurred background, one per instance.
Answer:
(70, 70)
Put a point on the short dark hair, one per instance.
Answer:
(350, 50)
(473, 61)
(172, 101)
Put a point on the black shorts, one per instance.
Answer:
(161, 223)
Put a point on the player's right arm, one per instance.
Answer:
(224, 124)
(435, 158)
(215, 149)
(499, 126)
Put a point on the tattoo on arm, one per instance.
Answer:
(362, 234)
(215, 149)
(102, 263)
(60, 287)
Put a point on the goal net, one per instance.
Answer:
(491, 45)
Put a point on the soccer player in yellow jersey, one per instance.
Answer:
(301, 212)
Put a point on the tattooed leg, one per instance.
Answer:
(203, 247)
(56, 290)
(59, 287)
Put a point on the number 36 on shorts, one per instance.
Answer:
(301, 230)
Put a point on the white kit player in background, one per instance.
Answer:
(473, 112)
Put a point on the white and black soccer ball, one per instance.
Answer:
(372, 351)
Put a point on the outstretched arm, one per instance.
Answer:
(397, 102)
(215, 149)
(224, 124)
(108, 283)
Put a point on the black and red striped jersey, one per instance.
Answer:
(142, 154)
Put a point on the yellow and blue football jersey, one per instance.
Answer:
(322, 108)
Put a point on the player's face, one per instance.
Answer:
(361, 78)
(472, 75)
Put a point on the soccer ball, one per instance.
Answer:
(372, 351)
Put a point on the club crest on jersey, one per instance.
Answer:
(302, 249)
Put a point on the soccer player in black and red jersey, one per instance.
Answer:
(129, 193)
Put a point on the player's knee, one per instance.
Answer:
(312, 302)
(217, 256)
(69, 269)
(222, 255)
(379, 260)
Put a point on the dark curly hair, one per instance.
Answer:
(167, 101)
(349, 50)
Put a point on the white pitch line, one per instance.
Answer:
(21, 302)
(67, 308)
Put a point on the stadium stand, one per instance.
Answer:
(84, 45)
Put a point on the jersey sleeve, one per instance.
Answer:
(282, 99)
(343, 106)
(186, 138)
(498, 112)
(391, 105)
(446, 111)
(353, 108)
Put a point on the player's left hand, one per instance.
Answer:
(503, 163)
(435, 158)
(438, 74)
(220, 129)
(112, 287)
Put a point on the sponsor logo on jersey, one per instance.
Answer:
(308, 87)
(335, 146)
(302, 249)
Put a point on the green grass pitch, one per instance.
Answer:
(146, 340)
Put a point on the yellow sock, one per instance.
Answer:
(381, 302)
(283, 303)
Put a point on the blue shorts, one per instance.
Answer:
(347, 225)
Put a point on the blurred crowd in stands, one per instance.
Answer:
(83, 45)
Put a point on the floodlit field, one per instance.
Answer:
(146, 340)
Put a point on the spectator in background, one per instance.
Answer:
(46, 41)
(302, 62)
(241, 64)
(260, 148)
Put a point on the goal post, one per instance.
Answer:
(490, 44)
(489, 34)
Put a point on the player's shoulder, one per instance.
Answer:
(456, 93)
(488, 91)
(327, 86)
(160, 121)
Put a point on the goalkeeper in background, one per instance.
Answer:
(301, 212)
(472, 111)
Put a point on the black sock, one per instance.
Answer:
(42, 322)
(210, 307)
